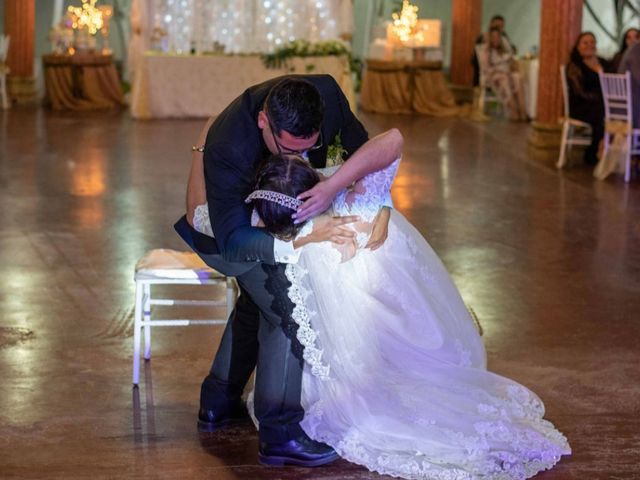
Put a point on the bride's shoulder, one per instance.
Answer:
(328, 171)
(383, 176)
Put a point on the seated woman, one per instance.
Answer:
(497, 21)
(585, 95)
(497, 72)
(395, 374)
(631, 36)
(631, 63)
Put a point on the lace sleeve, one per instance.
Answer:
(328, 171)
(201, 222)
(377, 185)
(367, 195)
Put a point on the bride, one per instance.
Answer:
(395, 374)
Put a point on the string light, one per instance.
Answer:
(244, 26)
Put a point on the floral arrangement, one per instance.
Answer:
(304, 48)
(335, 152)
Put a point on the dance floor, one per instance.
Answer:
(550, 262)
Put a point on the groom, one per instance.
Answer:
(289, 115)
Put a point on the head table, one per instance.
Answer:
(174, 86)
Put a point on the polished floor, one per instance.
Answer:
(549, 260)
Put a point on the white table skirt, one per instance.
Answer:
(529, 70)
(170, 86)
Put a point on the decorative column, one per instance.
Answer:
(19, 24)
(467, 17)
(560, 25)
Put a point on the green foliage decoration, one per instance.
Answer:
(335, 152)
(303, 48)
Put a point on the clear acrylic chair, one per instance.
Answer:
(170, 267)
(574, 131)
(617, 96)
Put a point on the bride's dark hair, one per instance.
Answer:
(291, 176)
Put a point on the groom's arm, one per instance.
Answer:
(227, 185)
(374, 155)
(228, 181)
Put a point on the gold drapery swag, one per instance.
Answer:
(408, 87)
(617, 153)
(81, 82)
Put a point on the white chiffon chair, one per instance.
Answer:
(170, 267)
(574, 131)
(617, 96)
(4, 70)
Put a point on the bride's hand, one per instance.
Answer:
(380, 229)
(329, 229)
(317, 200)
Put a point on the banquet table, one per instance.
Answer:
(81, 82)
(170, 86)
(401, 86)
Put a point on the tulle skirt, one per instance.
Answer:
(395, 372)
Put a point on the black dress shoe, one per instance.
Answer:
(212, 420)
(301, 451)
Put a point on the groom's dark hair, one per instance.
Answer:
(295, 105)
(283, 174)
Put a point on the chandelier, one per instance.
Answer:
(87, 16)
(404, 24)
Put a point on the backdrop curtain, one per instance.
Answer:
(245, 26)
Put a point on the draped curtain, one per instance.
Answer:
(245, 26)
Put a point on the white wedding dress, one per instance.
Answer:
(395, 372)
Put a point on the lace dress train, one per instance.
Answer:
(395, 372)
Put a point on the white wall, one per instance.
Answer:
(522, 21)
(606, 47)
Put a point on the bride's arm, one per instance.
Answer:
(376, 154)
(196, 193)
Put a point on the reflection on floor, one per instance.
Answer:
(550, 262)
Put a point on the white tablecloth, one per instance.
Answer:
(203, 85)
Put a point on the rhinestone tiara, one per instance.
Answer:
(275, 197)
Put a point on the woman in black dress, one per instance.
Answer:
(585, 95)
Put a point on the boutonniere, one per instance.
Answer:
(336, 152)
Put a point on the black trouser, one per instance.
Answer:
(597, 133)
(260, 331)
(593, 114)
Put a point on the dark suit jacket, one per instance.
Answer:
(233, 150)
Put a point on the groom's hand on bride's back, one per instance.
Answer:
(317, 200)
(329, 229)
